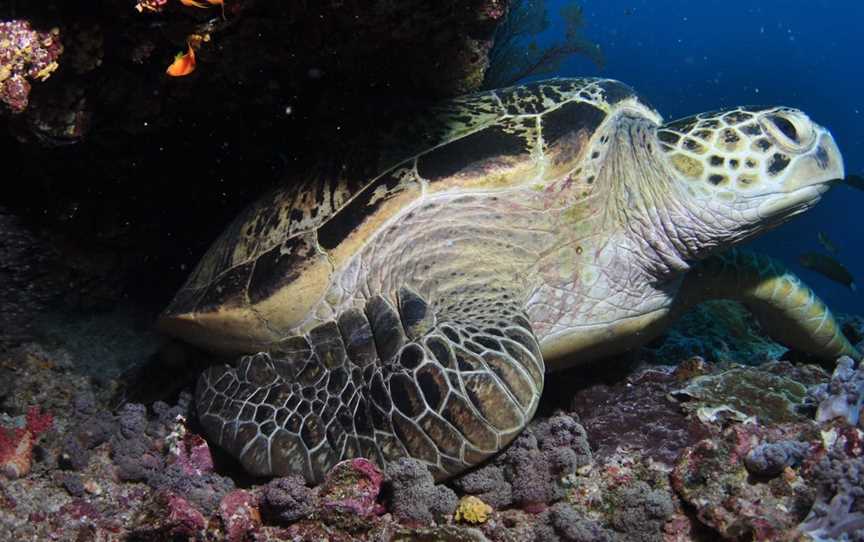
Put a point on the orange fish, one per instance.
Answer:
(183, 64)
(193, 4)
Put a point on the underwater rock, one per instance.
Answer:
(741, 392)
(770, 459)
(487, 483)
(239, 514)
(711, 476)
(347, 497)
(441, 533)
(412, 495)
(26, 282)
(636, 414)
(168, 516)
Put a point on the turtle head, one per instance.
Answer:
(741, 171)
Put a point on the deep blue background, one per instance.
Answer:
(690, 56)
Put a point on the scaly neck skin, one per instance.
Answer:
(664, 225)
(620, 252)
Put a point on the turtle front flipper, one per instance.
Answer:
(786, 308)
(449, 387)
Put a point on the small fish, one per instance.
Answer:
(183, 64)
(855, 181)
(828, 267)
(193, 4)
(826, 242)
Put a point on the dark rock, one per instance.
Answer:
(27, 285)
(286, 500)
(636, 413)
(563, 522)
(769, 459)
(73, 484)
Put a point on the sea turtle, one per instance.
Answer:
(412, 308)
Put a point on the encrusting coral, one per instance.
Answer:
(16, 443)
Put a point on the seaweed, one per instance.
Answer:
(517, 54)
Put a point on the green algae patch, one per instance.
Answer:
(744, 392)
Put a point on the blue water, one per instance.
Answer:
(689, 56)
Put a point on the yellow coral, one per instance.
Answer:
(472, 510)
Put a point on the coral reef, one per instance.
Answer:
(25, 54)
(144, 473)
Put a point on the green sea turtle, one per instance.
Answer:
(412, 307)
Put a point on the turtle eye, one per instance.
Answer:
(784, 126)
(790, 129)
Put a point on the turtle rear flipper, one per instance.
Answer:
(786, 308)
(449, 387)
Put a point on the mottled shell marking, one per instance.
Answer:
(301, 233)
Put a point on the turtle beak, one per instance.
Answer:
(820, 166)
(811, 175)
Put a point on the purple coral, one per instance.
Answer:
(843, 397)
(838, 478)
(529, 473)
(414, 497)
(835, 520)
(563, 523)
(25, 54)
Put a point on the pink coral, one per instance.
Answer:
(193, 455)
(25, 54)
(240, 516)
(16, 444)
(352, 487)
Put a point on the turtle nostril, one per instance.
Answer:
(785, 126)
